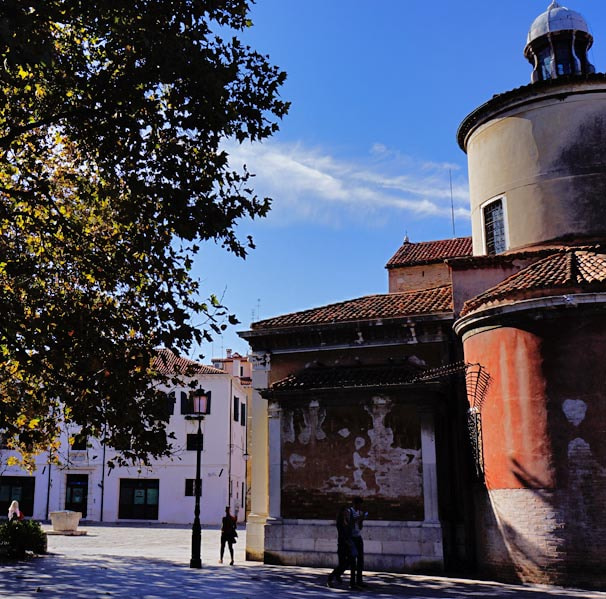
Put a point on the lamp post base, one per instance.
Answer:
(195, 563)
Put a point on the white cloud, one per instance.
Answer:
(312, 186)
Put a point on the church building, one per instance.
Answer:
(467, 405)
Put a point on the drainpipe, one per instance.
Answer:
(102, 476)
(48, 486)
(231, 417)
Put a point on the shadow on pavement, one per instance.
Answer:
(92, 577)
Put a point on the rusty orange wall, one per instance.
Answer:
(517, 451)
(541, 517)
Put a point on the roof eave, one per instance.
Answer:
(408, 319)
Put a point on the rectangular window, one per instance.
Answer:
(3, 441)
(139, 499)
(494, 227)
(192, 442)
(80, 442)
(17, 488)
(243, 414)
(190, 485)
(236, 408)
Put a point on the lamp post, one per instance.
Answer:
(200, 409)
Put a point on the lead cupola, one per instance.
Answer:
(557, 44)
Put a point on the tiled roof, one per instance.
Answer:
(168, 363)
(370, 307)
(505, 259)
(568, 269)
(427, 252)
(348, 376)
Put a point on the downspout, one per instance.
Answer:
(48, 486)
(102, 475)
(229, 445)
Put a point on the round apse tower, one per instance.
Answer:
(537, 170)
(537, 154)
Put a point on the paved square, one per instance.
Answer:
(149, 562)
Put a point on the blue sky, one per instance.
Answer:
(378, 90)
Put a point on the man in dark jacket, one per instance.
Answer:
(228, 535)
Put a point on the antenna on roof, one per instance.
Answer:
(451, 204)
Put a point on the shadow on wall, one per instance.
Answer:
(522, 532)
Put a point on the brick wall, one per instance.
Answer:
(412, 278)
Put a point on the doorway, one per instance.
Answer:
(76, 494)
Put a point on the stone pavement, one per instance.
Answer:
(151, 562)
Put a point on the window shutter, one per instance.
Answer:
(185, 403)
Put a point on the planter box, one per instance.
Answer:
(65, 521)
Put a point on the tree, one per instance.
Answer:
(113, 120)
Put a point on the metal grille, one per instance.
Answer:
(477, 381)
(474, 425)
(494, 227)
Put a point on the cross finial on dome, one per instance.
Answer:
(553, 4)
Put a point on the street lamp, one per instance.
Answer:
(201, 400)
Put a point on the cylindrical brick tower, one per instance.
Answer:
(537, 171)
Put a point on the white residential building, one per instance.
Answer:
(162, 492)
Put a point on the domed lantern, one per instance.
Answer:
(557, 44)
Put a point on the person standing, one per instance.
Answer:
(344, 546)
(228, 535)
(356, 522)
(14, 513)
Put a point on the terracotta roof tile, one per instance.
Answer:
(505, 259)
(569, 269)
(370, 307)
(168, 363)
(348, 377)
(427, 252)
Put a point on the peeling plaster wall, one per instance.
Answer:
(371, 449)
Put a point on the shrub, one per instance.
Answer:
(18, 537)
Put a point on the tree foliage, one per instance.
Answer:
(113, 118)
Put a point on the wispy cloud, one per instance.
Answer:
(311, 185)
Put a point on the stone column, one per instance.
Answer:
(275, 460)
(430, 475)
(255, 526)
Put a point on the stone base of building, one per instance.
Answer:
(388, 546)
(255, 537)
